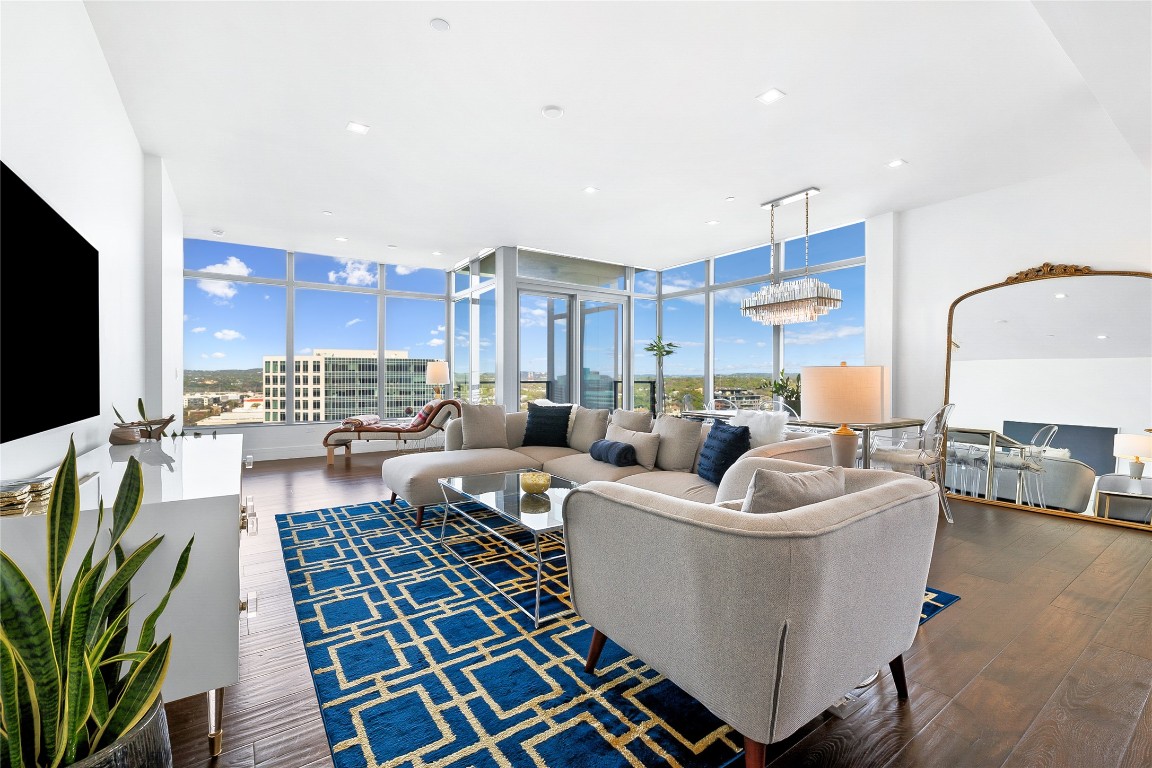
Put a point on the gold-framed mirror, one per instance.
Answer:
(1063, 345)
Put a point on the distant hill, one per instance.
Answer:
(228, 380)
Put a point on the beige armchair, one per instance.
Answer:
(766, 619)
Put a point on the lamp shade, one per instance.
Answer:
(848, 394)
(1132, 446)
(437, 373)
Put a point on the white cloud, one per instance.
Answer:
(354, 272)
(436, 342)
(533, 317)
(733, 295)
(217, 289)
(352, 322)
(218, 355)
(761, 343)
(198, 329)
(233, 266)
(227, 334)
(404, 269)
(440, 329)
(820, 335)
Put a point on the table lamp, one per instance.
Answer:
(438, 376)
(1133, 447)
(848, 394)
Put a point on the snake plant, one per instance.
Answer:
(70, 682)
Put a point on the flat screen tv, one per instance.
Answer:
(49, 316)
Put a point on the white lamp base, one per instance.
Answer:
(1135, 469)
(844, 444)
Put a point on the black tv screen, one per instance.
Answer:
(49, 316)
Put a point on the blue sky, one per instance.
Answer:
(233, 324)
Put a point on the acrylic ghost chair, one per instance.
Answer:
(921, 452)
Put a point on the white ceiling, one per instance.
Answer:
(1026, 321)
(247, 103)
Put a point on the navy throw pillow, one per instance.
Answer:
(547, 425)
(724, 444)
(613, 452)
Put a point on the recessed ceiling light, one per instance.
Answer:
(440, 25)
(326, 213)
(552, 111)
(729, 199)
(1061, 295)
(393, 246)
(897, 163)
(591, 190)
(218, 232)
(771, 96)
(437, 253)
(712, 223)
(341, 239)
(359, 128)
(1101, 336)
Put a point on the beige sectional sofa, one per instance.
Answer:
(673, 470)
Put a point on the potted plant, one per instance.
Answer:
(787, 389)
(73, 688)
(661, 349)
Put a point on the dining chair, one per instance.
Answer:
(778, 405)
(1028, 463)
(921, 452)
(722, 404)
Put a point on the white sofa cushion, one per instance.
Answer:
(679, 442)
(647, 445)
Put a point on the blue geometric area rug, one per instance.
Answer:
(418, 662)
(935, 600)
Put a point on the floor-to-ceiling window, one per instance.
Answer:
(275, 337)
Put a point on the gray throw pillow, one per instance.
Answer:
(772, 491)
(679, 441)
(637, 421)
(482, 426)
(645, 443)
(588, 426)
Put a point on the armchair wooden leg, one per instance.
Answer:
(594, 650)
(897, 667)
(393, 499)
(753, 754)
(419, 516)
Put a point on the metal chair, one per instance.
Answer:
(921, 452)
(722, 404)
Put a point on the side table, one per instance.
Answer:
(1119, 497)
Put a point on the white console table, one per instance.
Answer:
(192, 486)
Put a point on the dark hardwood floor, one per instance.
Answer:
(1045, 660)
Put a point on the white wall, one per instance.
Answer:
(1092, 392)
(163, 294)
(63, 129)
(1099, 216)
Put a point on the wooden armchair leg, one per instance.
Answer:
(594, 650)
(393, 499)
(753, 754)
(897, 667)
(419, 516)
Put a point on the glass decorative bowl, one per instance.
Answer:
(535, 482)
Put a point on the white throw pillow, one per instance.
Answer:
(765, 427)
(645, 443)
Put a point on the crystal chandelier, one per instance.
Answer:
(792, 301)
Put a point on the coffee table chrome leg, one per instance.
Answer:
(539, 576)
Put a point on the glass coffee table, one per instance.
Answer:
(528, 524)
